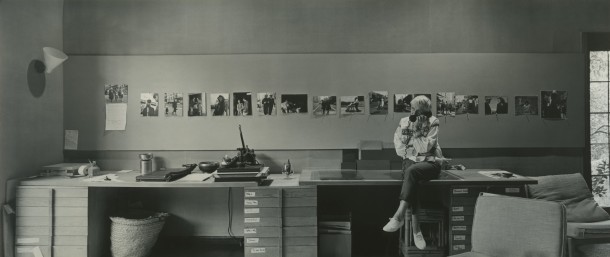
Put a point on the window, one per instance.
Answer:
(599, 82)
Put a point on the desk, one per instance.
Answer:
(68, 217)
(460, 187)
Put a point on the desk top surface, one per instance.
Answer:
(307, 177)
(394, 177)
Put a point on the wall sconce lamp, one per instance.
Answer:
(53, 58)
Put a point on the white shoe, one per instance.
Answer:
(393, 225)
(420, 243)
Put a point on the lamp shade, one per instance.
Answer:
(53, 58)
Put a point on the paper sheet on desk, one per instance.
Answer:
(497, 174)
(103, 178)
(195, 177)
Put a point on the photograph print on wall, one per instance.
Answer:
(496, 105)
(402, 103)
(352, 105)
(445, 104)
(220, 104)
(526, 105)
(324, 105)
(116, 93)
(242, 104)
(554, 104)
(197, 106)
(265, 104)
(378, 102)
(466, 104)
(173, 104)
(149, 104)
(293, 104)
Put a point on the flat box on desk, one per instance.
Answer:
(252, 222)
(269, 251)
(262, 212)
(262, 241)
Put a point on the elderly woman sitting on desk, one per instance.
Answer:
(416, 141)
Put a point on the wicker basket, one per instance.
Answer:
(135, 237)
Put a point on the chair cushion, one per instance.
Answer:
(572, 191)
(589, 230)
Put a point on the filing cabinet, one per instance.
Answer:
(262, 222)
(461, 212)
(280, 221)
(52, 220)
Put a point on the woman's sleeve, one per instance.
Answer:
(424, 144)
(398, 144)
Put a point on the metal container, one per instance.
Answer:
(146, 163)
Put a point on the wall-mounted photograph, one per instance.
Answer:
(197, 105)
(496, 105)
(293, 103)
(466, 104)
(116, 93)
(352, 105)
(173, 104)
(526, 105)
(265, 104)
(402, 103)
(378, 102)
(445, 104)
(324, 105)
(242, 104)
(220, 104)
(554, 104)
(149, 104)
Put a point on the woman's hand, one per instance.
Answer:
(421, 125)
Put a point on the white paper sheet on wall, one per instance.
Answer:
(116, 116)
(70, 139)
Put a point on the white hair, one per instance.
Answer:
(421, 103)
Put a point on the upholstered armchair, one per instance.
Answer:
(512, 226)
(587, 222)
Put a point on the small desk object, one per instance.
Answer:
(461, 187)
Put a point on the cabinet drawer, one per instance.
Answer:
(300, 251)
(457, 220)
(261, 202)
(33, 222)
(33, 202)
(300, 221)
(71, 202)
(262, 212)
(71, 192)
(300, 231)
(300, 202)
(300, 192)
(70, 211)
(460, 247)
(70, 231)
(261, 192)
(300, 212)
(306, 240)
(27, 192)
(461, 229)
(463, 201)
(262, 241)
(262, 222)
(70, 221)
(69, 251)
(33, 212)
(466, 191)
(70, 240)
(28, 251)
(510, 191)
(261, 251)
(460, 239)
(262, 232)
(22, 240)
(32, 231)
(462, 209)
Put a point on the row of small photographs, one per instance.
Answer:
(554, 104)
